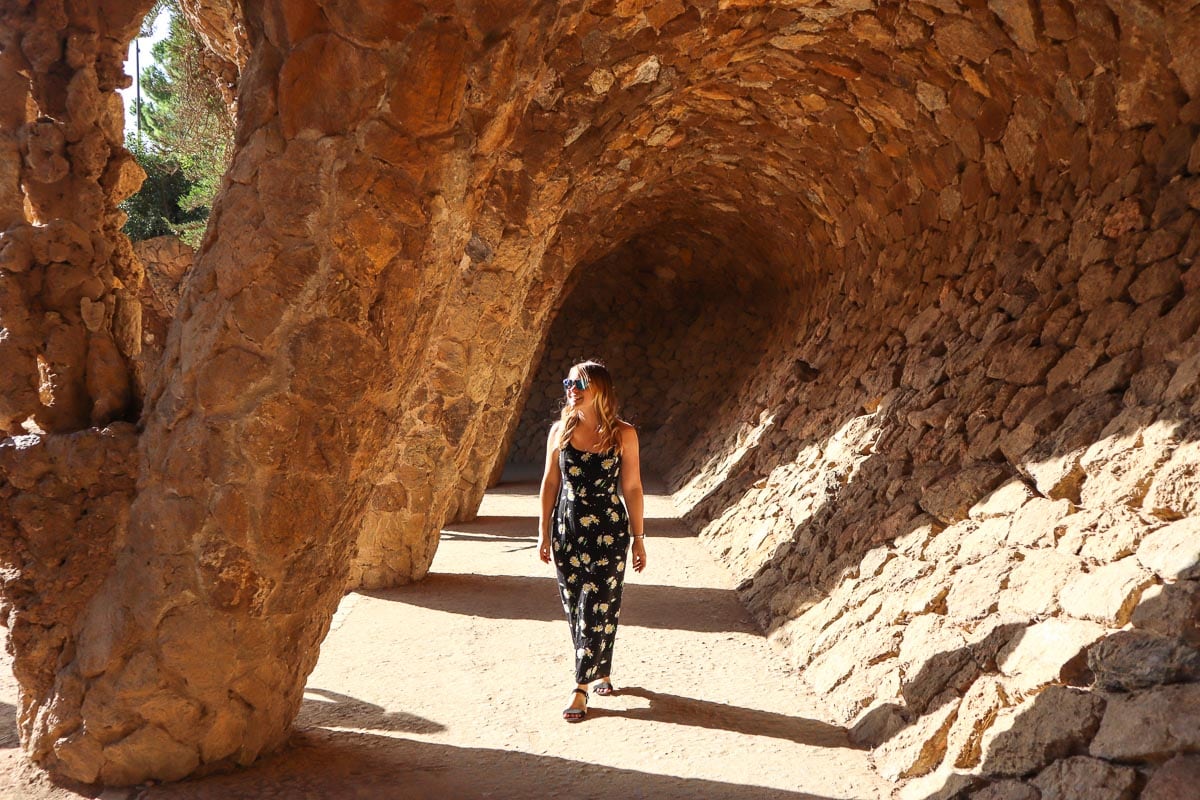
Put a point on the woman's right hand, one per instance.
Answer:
(544, 547)
(639, 554)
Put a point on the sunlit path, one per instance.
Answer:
(453, 688)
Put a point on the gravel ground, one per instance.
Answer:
(454, 687)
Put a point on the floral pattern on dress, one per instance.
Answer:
(589, 540)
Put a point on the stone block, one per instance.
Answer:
(987, 539)
(1103, 534)
(1130, 660)
(1149, 725)
(1037, 656)
(1155, 281)
(1047, 726)
(1034, 583)
(1006, 790)
(952, 495)
(1036, 524)
(917, 749)
(1171, 609)
(980, 704)
(866, 645)
(975, 588)
(1023, 364)
(865, 685)
(148, 751)
(1174, 489)
(1018, 21)
(1003, 501)
(1108, 594)
(942, 784)
(1173, 551)
(1178, 779)
(1112, 375)
(426, 96)
(1081, 777)
(1184, 383)
(1057, 475)
(1133, 332)
(879, 723)
(1120, 465)
(328, 85)
(929, 593)
(1051, 461)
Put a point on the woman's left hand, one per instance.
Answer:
(639, 554)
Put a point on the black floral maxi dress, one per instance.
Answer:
(590, 536)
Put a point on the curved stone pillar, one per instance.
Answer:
(289, 352)
(68, 281)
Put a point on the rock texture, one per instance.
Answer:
(905, 295)
(165, 260)
(68, 279)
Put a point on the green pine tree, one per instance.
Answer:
(186, 136)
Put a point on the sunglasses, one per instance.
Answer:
(575, 383)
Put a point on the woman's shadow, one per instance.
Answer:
(707, 714)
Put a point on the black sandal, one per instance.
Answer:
(576, 714)
(604, 688)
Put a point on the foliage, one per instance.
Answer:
(186, 136)
(160, 207)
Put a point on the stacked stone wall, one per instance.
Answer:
(944, 542)
(965, 502)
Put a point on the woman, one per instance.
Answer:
(584, 525)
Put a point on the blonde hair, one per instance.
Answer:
(606, 407)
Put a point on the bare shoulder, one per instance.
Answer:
(627, 432)
(555, 429)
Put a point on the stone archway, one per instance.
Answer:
(681, 315)
(984, 218)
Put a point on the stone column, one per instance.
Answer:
(291, 350)
(68, 281)
(70, 326)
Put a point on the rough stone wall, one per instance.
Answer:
(165, 260)
(961, 524)
(71, 331)
(980, 221)
(221, 25)
(942, 543)
(69, 279)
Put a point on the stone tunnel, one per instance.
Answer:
(902, 295)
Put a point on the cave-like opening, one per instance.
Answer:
(681, 312)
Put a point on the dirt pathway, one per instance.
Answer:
(453, 688)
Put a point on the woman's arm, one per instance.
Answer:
(551, 480)
(631, 490)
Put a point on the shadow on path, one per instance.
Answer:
(8, 726)
(680, 710)
(520, 597)
(495, 527)
(509, 527)
(327, 709)
(349, 765)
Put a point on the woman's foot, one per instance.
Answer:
(578, 708)
(603, 687)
